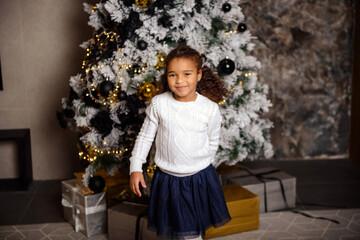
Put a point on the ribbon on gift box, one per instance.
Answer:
(139, 216)
(87, 211)
(261, 178)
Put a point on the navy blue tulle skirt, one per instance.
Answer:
(184, 207)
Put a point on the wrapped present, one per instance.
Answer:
(84, 210)
(275, 188)
(128, 221)
(243, 207)
(68, 189)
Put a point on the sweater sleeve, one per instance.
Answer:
(144, 139)
(214, 131)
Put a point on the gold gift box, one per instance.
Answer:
(243, 207)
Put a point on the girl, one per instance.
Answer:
(186, 197)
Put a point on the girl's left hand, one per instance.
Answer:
(135, 179)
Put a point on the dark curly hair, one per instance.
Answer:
(210, 85)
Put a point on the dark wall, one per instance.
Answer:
(305, 48)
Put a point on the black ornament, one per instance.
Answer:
(127, 28)
(133, 103)
(226, 7)
(106, 87)
(242, 27)
(122, 95)
(128, 3)
(165, 21)
(142, 45)
(96, 184)
(226, 66)
(102, 122)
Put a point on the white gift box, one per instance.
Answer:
(258, 182)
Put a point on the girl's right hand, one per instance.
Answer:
(135, 179)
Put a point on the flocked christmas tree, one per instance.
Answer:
(124, 60)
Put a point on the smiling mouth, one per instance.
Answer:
(181, 87)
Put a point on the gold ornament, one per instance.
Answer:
(150, 171)
(112, 97)
(147, 91)
(143, 3)
(161, 60)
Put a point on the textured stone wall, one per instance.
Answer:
(305, 48)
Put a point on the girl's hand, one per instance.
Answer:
(135, 179)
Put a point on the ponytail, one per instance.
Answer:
(211, 86)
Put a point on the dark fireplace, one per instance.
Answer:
(22, 138)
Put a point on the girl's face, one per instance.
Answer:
(182, 77)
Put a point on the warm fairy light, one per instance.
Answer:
(222, 102)
(104, 142)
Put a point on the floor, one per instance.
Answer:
(328, 188)
(275, 225)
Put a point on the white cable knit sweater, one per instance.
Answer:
(187, 135)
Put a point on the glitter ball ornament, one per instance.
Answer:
(143, 3)
(242, 27)
(142, 45)
(122, 95)
(161, 60)
(106, 87)
(226, 7)
(226, 66)
(147, 91)
(96, 184)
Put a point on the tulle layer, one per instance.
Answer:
(184, 207)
